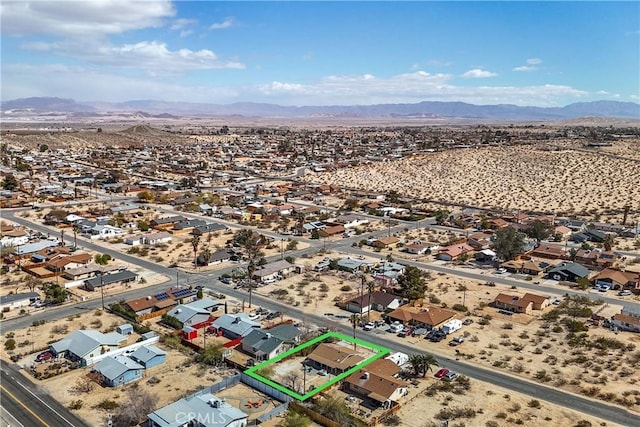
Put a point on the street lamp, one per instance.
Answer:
(101, 288)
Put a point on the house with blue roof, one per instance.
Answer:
(266, 344)
(201, 410)
(118, 370)
(149, 356)
(234, 326)
(188, 315)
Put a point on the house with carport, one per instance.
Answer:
(333, 358)
(378, 301)
(85, 345)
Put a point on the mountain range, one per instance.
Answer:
(427, 109)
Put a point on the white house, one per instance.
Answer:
(104, 232)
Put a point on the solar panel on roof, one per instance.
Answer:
(162, 296)
(181, 293)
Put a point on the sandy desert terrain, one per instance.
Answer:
(528, 178)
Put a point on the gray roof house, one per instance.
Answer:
(568, 271)
(118, 370)
(86, 344)
(265, 344)
(235, 325)
(273, 269)
(123, 276)
(188, 315)
(202, 410)
(149, 356)
(7, 302)
(209, 228)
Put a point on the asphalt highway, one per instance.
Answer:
(28, 406)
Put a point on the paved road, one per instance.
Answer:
(29, 406)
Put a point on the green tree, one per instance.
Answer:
(145, 196)
(608, 242)
(507, 243)
(392, 196)
(351, 204)
(10, 344)
(412, 283)
(143, 225)
(212, 354)
(334, 408)
(43, 148)
(315, 234)
(441, 215)
(102, 259)
(56, 294)
(539, 230)
(9, 182)
(421, 363)
(195, 242)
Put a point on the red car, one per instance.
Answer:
(441, 373)
(43, 357)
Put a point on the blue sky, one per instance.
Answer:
(322, 53)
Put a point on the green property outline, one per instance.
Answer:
(252, 372)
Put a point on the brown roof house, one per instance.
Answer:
(333, 358)
(549, 252)
(451, 253)
(379, 301)
(429, 317)
(377, 384)
(617, 279)
(525, 304)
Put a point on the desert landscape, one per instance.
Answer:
(528, 178)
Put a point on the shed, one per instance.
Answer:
(189, 333)
(149, 356)
(148, 335)
(125, 329)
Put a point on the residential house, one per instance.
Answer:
(350, 220)
(481, 240)
(266, 344)
(149, 356)
(191, 411)
(385, 242)
(272, 270)
(163, 224)
(205, 229)
(453, 252)
(234, 326)
(217, 257)
(353, 265)
(563, 231)
(89, 270)
(548, 252)
(524, 304)
(161, 302)
(187, 226)
(418, 248)
(627, 320)
(331, 230)
(333, 358)
(429, 317)
(62, 263)
(86, 344)
(189, 315)
(569, 272)
(11, 301)
(617, 280)
(119, 278)
(153, 239)
(13, 238)
(118, 370)
(104, 231)
(596, 257)
(379, 301)
(377, 383)
(522, 266)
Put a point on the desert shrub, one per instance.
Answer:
(534, 404)
(76, 404)
(10, 344)
(107, 405)
(507, 326)
(345, 288)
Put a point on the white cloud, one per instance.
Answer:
(151, 56)
(478, 73)
(86, 19)
(227, 23)
(530, 65)
(182, 23)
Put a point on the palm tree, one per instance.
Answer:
(608, 242)
(422, 363)
(195, 241)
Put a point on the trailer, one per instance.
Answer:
(451, 326)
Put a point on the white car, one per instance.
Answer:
(369, 326)
(624, 293)
(501, 270)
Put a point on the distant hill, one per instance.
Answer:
(167, 109)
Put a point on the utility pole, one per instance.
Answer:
(102, 287)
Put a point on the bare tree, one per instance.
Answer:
(134, 408)
(292, 381)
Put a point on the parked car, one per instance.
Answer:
(450, 376)
(441, 373)
(405, 332)
(456, 341)
(44, 356)
(624, 293)
(226, 280)
(274, 315)
(322, 373)
(467, 322)
(501, 270)
(369, 326)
